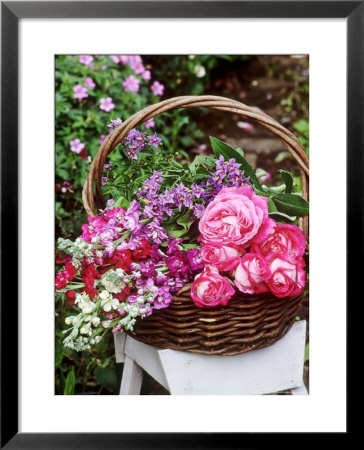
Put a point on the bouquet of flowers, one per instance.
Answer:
(168, 223)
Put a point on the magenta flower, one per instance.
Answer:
(131, 84)
(89, 83)
(149, 123)
(157, 88)
(86, 59)
(77, 146)
(80, 92)
(102, 138)
(106, 104)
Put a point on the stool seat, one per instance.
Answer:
(264, 371)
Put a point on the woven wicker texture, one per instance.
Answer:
(248, 322)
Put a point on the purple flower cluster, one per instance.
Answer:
(166, 272)
(136, 141)
(158, 271)
(131, 83)
(227, 174)
(159, 205)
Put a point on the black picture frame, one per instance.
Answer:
(11, 12)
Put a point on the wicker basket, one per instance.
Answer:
(247, 322)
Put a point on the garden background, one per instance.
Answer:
(93, 90)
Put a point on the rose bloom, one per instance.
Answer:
(252, 274)
(236, 216)
(211, 289)
(222, 257)
(288, 277)
(285, 240)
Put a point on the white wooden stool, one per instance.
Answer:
(268, 370)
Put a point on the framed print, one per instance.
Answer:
(92, 108)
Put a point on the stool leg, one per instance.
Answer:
(131, 382)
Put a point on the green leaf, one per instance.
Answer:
(122, 202)
(307, 351)
(288, 180)
(107, 378)
(291, 204)
(185, 222)
(59, 353)
(69, 388)
(282, 215)
(271, 206)
(282, 156)
(221, 148)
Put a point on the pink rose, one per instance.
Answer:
(222, 257)
(236, 216)
(211, 289)
(285, 240)
(252, 274)
(288, 277)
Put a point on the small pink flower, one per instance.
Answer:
(146, 75)
(115, 58)
(131, 84)
(288, 277)
(133, 59)
(102, 138)
(137, 67)
(106, 104)
(236, 217)
(245, 126)
(211, 289)
(124, 59)
(157, 88)
(77, 146)
(222, 257)
(252, 274)
(80, 92)
(149, 123)
(267, 176)
(89, 83)
(86, 59)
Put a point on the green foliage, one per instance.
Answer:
(69, 388)
(307, 352)
(221, 148)
(302, 126)
(106, 376)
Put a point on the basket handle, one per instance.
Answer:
(90, 201)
